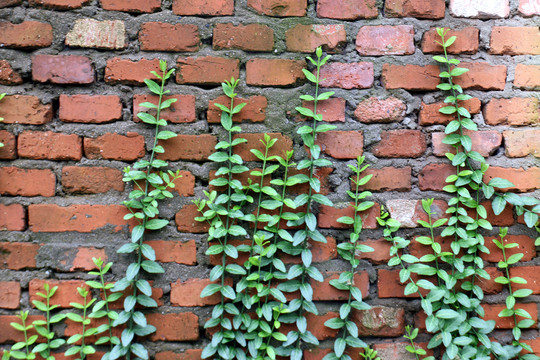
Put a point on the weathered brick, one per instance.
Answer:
(59, 4)
(490, 286)
(524, 180)
(380, 321)
(9, 334)
(94, 109)
(207, 70)
(160, 36)
(390, 286)
(527, 77)
(484, 142)
(466, 41)
(181, 111)
(332, 110)
(505, 218)
(283, 143)
(482, 76)
(398, 350)
(188, 293)
(66, 293)
(503, 40)
(514, 111)
(25, 109)
(9, 150)
(112, 146)
(180, 252)
(91, 180)
(8, 76)
(529, 7)
(125, 71)
(321, 252)
(62, 69)
(307, 38)
(27, 182)
(323, 291)
(185, 220)
(282, 8)
(274, 72)
(529, 274)
(347, 9)
(374, 110)
(525, 246)
(408, 212)
(385, 40)
(12, 217)
(401, 143)
(492, 313)
(254, 111)
(341, 144)
(381, 253)
(185, 185)
(90, 33)
(189, 354)
(251, 37)
(433, 176)
(10, 294)
(79, 218)
(49, 145)
(18, 256)
(480, 9)
(203, 7)
(26, 35)
(410, 77)
(386, 179)
(430, 115)
(135, 6)
(174, 327)
(422, 9)
(83, 258)
(188, 147)
(328, 216)
(347, 75)
(522, 143)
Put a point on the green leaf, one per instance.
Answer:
(309, 75)
(500, 183)
(137, 233)
(147, 118)
(446, 314)
(153, 86)
(152, 267)
(156, 224)
(164, 135)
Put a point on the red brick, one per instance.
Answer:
(26, 35)
(203, 7)
(254, 111)
(159, 36)
(380, 321)
(188, 147)
(529, 8)
(307, 38)
(514, 111)
(17, 255)
(188, 293)
(251, 37)
(490, 287)
(347, 75)
(59, 4)
(7, 3)
(62, 69)
(381, 253)
(49, 145)
(174, 327)
(9, 150)
(83, 258)
(316, 325)
(125, 71)
(323, 291)
(374, 110)
(410, 77)
(112, 146)
(347, 9)
(207, 70)
(9, 334)
(189, 354)
(385, 40)
(503, 40)
(10, 294)
(386, 179)
(524, 180)
(430, 115)
(332, 110)
(408, 212)
(484, 142)
(274, 72)
(466, 41)
(492, 313)
(25, 109)
(8, 76)
(12, 217)
(389, 285)
(525, 246)
(433, 176)
(66, 293)
(91, 180)
(529, 273)
(422, 9)
(90, 33)
(522, 143)
(185, 185)
(341, 144)
(281, 8)
(93, 109)
(506, 218)
(401, 143)
(27, 182)
(135, 6)
(181, 111)
(320, 173)
(328, 216)
(482, 76)
(79, 218)
(180, 252)
(185, 220)
(284, 143)
(527, 77)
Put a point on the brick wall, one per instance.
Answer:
(73, 71)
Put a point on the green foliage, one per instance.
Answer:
(151, 185)
(83, 349)
(369, 354)
(43, 327)
(21, 350)
(412, 349)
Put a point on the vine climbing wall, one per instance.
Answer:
(74, 72)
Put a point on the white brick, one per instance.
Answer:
(483, 9)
